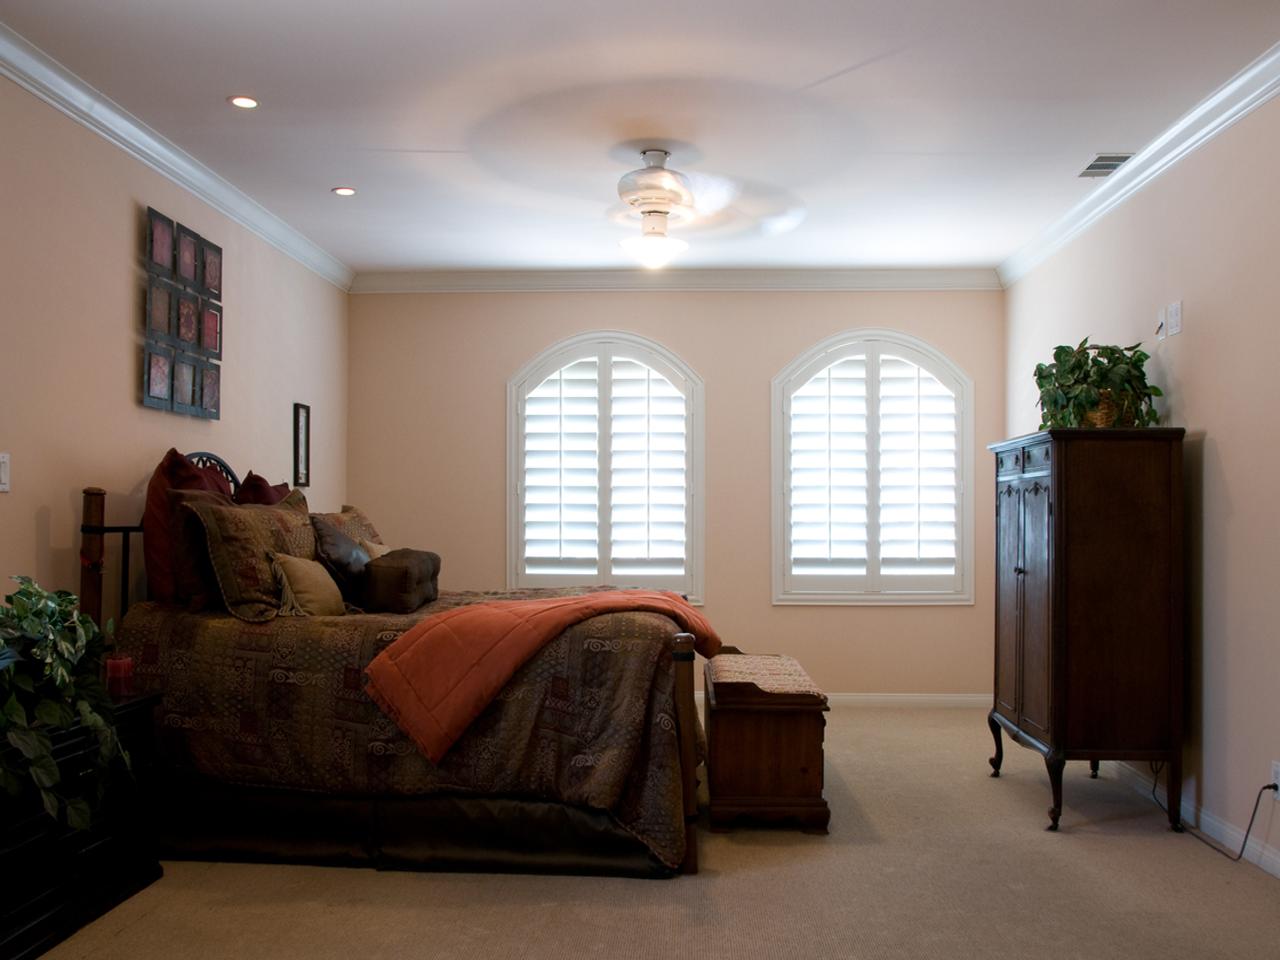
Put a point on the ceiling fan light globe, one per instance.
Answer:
(653, 251)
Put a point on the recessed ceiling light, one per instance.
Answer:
(244, 103)
(345, 191)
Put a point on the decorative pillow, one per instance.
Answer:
(216, 480)
(342, 556)
(375, 550)
(353, 523)
(194, 581)
(401, 581)
(241, 540)
(255, 489)
(175, 472)
(306, 589)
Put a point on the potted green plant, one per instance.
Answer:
(1095, 385)
(50, 681)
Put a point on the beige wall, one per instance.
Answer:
(428, 449)
(1206, 233)
(70, 314)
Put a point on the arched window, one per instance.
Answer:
(872, 474)
(605, 466)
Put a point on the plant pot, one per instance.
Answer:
(1108, 413)
(1105, 413)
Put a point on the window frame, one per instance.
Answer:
(795, 375)
(685, 379)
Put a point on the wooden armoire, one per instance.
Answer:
(1090, 628)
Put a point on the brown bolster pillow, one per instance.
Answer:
(401, 581)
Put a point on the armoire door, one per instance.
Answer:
(1008, 544)
(1037, 658)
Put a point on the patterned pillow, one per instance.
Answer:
(353, 523)
(241, 541)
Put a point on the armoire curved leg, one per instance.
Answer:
(998, 759)
(1093, 769)
(1055, 764)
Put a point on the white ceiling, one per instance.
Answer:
(491, 133)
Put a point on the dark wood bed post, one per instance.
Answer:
(92, 539)
(687, 731)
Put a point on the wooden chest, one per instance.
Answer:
(765, 722)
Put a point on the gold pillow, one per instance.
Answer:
(306, 589)
(375, 550)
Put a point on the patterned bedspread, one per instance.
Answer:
(590, 720)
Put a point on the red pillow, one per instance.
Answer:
(215, 480)
(255, 489)
(175, 472)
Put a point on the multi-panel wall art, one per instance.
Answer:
(182, 327)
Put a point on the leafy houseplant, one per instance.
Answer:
(50, 657)
(1092, 385)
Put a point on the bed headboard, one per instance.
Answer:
(93, 534)
(202, 458)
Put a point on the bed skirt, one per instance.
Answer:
(198, 819)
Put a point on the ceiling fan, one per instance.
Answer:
(663, 198)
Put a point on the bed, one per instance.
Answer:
(270, 748)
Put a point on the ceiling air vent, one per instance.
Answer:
(1105, 165)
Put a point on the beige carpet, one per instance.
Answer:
(927, 857)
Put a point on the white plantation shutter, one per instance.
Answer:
(605, 434)
(919, 492)
(869, 445)
(647, 509)
(829, 471)
(561, 471)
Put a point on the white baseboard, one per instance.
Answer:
(1230, 836)
(903, 699)
(911, 699)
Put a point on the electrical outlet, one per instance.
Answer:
(4, 473)
(1275, 778)
(1173, 318)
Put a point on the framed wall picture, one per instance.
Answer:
(210, 344)
(157, 376)
(182, 323)
(210, 269)
(301, 445)
(210, 391)
(187, 252)
(159, 248)
(187, 328)
(186, 384)
(162, 306)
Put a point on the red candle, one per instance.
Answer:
(120, 677)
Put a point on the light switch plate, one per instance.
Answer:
(1173, 315)
(4, 473)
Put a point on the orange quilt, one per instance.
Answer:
(440, 674)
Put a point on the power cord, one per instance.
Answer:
(1157, 768)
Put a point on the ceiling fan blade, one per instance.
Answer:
(711, 193)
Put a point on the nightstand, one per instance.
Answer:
(56, 879)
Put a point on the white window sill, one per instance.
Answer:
(799, 599)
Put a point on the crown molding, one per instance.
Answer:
(1243, 93)
(727, 280)
(41, 75)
